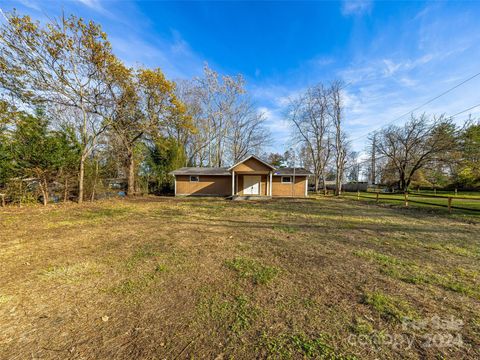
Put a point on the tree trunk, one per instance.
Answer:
(338, 189)
(44, 190)
(65, 190)
(131, 174)
(95, 179)
(317, 181)
(81, 176)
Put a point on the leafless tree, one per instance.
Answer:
(340, 144)
(227, 124)
(412, 146)
(310, 116)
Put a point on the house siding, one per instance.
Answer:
(208, 185)
(279, 189)
(251, 165)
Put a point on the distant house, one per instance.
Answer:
(251, 177)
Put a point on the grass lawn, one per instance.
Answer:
(209, 278)
(463, 204)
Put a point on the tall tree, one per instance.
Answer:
(341, 143)
(227, 124)
(312, 122)
(63, 66)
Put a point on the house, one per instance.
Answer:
(251, 177)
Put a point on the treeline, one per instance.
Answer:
(75, 120)
(430, 152)
(427, 151)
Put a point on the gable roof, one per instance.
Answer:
(201, 171)
(252, 157)
(289, 171)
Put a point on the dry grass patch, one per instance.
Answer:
(209, 278)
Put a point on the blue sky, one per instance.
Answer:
(393, 55)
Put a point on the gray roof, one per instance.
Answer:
(223, 171)
(201, 171)
(289, 171)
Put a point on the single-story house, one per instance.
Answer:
(251, 177)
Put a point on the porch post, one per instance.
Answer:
(270, 185)
(233, 182)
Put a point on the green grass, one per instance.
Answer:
(362, 327)
(458, 280)
(140, 254)
(300, 345)
(470, 207)
(236, 312)
(285, 229)
(253, 270)
(389, 307)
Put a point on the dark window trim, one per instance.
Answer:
(289, 179)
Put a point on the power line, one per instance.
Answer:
(464, 111)
(422, 105)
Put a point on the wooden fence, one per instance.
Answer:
(416, 198)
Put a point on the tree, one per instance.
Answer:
(372, 149)
(412, 146)
(39, 152)
(163, 155)
(312, 122)
(468, 167)
(340, 144)
(353, 166)
(276, 159)
(63, 66)
(247, 133)
(7, 117)
(227, 125)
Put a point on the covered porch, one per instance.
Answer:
(252, 177)
(252, 184)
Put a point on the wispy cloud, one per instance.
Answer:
(356, 7)
(92, 4)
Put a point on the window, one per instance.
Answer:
(286, 179)
(194, 178)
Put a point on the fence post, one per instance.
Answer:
(450, 204)
(358, 194)
(455, 191)
(406, 199)
(377, 198)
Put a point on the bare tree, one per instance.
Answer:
(227, 125)
(340, 144)
(309, 114)
(412, 146)
(372, 149)
(247, 133)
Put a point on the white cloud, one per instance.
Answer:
(356, 7)
(92, 4)
(30, 4)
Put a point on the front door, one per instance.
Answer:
(251, 185)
